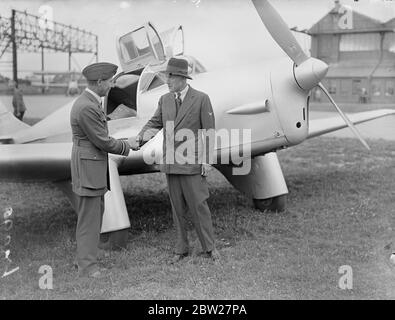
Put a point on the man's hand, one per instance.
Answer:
(205, 169)
(135, 143)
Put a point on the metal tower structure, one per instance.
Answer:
(24, 32)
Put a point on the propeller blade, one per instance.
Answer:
(345, 118)
(280, 31)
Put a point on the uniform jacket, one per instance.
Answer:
(182, 151)
(91, 143)
(17, 101)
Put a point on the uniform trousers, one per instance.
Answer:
(90, 215)
(190, 192)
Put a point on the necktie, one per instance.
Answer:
(178, 101)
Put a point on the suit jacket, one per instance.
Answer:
(91, 143)
(182, 149)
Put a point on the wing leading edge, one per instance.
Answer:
(319, 127)
(9, 124)
(51, 161)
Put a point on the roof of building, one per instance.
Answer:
(336, 71)
(360, 69)
(391, 23)
(382, 12)
(366, 17)
(384, 72)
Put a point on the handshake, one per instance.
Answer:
(135, 142)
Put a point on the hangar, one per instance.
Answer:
(361, 57)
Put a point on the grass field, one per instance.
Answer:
(340, 211)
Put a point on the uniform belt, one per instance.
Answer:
(83, 143)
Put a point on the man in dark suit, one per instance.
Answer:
(184, 109)
(89, 163)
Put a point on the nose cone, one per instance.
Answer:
(320, 68)
(310, 73)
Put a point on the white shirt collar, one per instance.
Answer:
(94, 94)
(183, 92)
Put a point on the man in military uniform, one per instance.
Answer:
(184, 108)
(89, 163)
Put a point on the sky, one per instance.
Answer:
(219, 33)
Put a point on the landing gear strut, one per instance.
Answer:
(265, 182)
(115, 240)
(275, 204)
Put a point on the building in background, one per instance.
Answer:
(361, 56)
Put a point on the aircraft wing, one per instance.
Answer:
(319, 127)
(50, 85)
(35, 161)
(28, 160)
(49, 158)
(51, 161)
(9, 124)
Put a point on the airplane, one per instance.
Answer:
(71, 81)
(271, 99)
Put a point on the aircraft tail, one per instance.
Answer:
(9, 125)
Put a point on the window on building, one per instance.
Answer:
(345, 87)
(356, 87)
(332, 87)
(325, 46)
(389, 41)
(376, 88)
(360, 42)
(390, 88)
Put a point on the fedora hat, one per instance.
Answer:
(177, 67)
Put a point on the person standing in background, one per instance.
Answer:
(17, 102)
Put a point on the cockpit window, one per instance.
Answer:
(156, 82)
(134, 45)
(173, 41)
(157, 44)
(140, 47)
(148, 75)
(153, 77)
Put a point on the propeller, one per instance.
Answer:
(308, 71)
(345, 118)
(280, 31)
